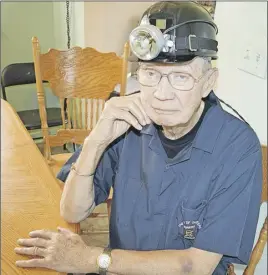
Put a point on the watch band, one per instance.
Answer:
(107, 251)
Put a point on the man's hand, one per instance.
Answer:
(118, 115)
(62, 251)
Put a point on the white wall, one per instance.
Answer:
(77, 24)
(20, 21)
(241, 23)
(59, 28)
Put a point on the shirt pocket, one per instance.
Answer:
(188, 221)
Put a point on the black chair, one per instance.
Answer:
(21, 74)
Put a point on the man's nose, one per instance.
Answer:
(164, 90)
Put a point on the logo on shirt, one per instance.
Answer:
(189, 229)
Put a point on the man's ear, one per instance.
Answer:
(211, 81)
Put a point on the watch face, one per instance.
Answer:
(104, 261)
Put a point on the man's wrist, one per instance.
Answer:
(89, 156)
(92, 255)
(95, 139)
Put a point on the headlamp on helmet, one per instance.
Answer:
(190, 32)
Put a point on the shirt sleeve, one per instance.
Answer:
(104, 174)
(232, 213)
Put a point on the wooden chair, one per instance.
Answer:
(262, 240)
(81, 78)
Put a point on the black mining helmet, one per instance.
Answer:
(174, 31)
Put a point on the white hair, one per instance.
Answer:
(207, 64)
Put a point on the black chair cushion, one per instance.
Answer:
(31, 118)
(18, 74)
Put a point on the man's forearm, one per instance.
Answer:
(159, 262)
(77, 200)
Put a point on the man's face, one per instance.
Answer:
(173, 99)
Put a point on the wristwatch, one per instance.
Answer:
(104, 260)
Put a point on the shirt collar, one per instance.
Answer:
(211, 126)
(149, 129)
(209, 130)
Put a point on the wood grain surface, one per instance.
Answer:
(30, 194)
(81, 73)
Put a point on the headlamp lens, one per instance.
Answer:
(146, 42)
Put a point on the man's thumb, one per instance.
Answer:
(64, 230)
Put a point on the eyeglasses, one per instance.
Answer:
(178, 80)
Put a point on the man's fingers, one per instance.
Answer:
(31, 251)
(135, 110)
(129, 118)
(137, 100)
(147, 119)
(45, 234)
(32, 263)
(33, 242)
(65, 230)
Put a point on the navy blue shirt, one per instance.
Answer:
(208, 196)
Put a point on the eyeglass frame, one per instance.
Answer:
(196, 80)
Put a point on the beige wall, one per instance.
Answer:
(108, 24)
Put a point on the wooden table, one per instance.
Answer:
(30, 194)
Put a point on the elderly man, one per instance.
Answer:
(186, 174)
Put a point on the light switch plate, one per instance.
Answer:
(253, 60)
